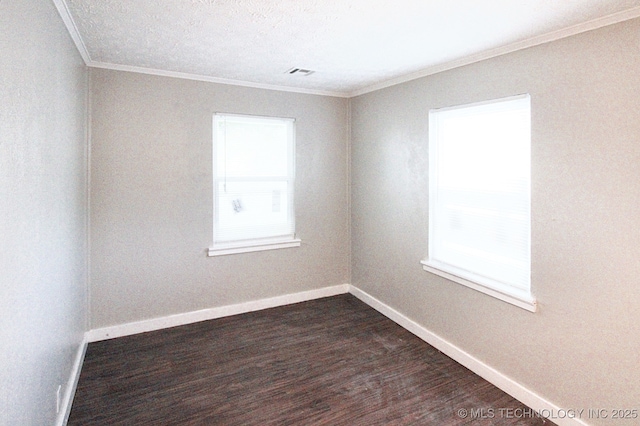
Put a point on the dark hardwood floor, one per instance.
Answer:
(332, 361)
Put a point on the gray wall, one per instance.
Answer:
(151, 198)
(151, 209)
(581, 350)
(43, 210)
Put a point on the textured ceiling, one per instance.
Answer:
(352, 45)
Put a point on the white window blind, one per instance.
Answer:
(479, 194)
(253, 180)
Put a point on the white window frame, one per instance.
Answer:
(271, 242)
(504, 291)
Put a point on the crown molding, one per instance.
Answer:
(64, 13)
(209, 79)
(468, 60)
(503, 50)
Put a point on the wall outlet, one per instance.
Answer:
(58, 399)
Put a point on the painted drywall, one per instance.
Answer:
(151, 198)
(581, 350)
(43, 212)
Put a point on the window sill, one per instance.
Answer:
(226, 249)
(514, 297)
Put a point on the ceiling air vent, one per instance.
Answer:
(300, 71)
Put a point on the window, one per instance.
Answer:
(479, 197)
(253, 184)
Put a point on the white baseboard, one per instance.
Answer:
(211, 313)
(508, 385)
(72, 384)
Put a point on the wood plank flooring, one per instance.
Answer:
(331, 361)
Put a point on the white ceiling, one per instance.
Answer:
(352, 45)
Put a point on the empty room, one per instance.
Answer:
(304, 212)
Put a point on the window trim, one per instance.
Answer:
(260, 243)
(270, 244)
(520, 299)
(507, 293)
